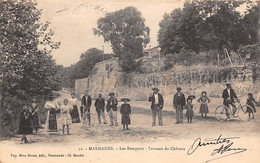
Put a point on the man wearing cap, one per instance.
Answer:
(179, 104)
(229, 97)
(112, 109)
(86, 102)
(157, 103)
(100, 107)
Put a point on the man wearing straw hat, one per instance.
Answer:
(112, 109)
(229, 97)
(179, 103)
(156, 105)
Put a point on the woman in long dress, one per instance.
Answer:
(52, 120)
(25, 123)
(125, 110)
(74, 112)
(35, 122)
(251, 102)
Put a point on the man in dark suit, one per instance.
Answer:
(112, 109)
(229, 96)
(100, 107)
(179, 103)
(86, 102)
(157, 103)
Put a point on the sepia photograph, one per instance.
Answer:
(134, 81)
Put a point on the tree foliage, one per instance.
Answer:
(25, 46)
(127, 33)
(251, 50)
(188, 57)
(83, 67)
(209, 25)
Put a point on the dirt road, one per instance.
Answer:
(141, 129)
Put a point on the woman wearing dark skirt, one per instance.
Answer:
(125, 110)
(25, 123)
(35, 122)
(51, 120)
(74, 112)
(251, 102)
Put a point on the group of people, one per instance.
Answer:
(69, 112)
(62, 115)
(111, 108)
(180, 103)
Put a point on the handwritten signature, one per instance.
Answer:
(226, 146)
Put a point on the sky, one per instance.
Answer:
(73, 21)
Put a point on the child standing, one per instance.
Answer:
(204, 100)
(189, 107)
(65, 116)
(251, 102)
(125, 110)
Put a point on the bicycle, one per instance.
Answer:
(242, 112)
(88, 118)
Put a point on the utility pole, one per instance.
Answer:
(228, 56)
(159, 49)
(159, 58)
(218, 60)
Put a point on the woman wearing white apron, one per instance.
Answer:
(53, 107)
(74, 112)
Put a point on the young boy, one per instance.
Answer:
(125, 110)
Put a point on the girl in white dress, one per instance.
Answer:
(65, 116)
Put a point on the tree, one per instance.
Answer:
(88, 60)
(26, 64)
(210, 25)
(127, 33)
(179, 30)
(83, 67)
(251, 50)
(250, 24)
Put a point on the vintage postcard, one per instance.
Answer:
(134, 81)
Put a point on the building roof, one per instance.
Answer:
(147, 50)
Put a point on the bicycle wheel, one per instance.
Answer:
(89, 120)
(92, 119)
(221, 113)
(244, 111)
